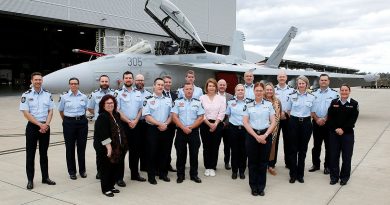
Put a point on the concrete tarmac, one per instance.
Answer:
(369, 183)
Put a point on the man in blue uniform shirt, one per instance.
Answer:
(37, 107)
(72, 107)
(130, 106)
(190, 78)
(187, 114)
(157, 112)
(94, 99)
(324, 96)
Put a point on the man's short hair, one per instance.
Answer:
(35, 73)
(104, 75)
(324, 74)
(155, 80)
(74, 78)
(190, 72)
(127, 73)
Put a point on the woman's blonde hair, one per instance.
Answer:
(304, 79)
(273, 98)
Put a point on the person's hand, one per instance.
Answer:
(283, 116)
(109, 150)
(213, 127)
(187, 130)
(162, 127)
(43, 128)
(339, 131)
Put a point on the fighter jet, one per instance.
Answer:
(176, 57)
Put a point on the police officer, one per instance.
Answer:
(324, 96)
(190, 78)
(222, 85)
(299, 107)
(72, 107)
(187, 114)
(282, 90)
(248, 78)
(236, 131)
(94, 99)
(37, 105)
(140, 86)
(130, 107)
(167, 92)
(156, 110)
(342, 115)
(259, 122)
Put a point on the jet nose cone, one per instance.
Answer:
(56, 82)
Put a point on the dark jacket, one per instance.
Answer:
(343, 116)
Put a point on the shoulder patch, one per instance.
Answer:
(23, 100)
(115, 94)
(144, 103)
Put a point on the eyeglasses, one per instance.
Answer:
(139, 80)
(109, 103)
(73, 83)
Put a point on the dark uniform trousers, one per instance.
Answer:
(171, 134)
(211, 142)
(75, 133)
(283, 126)
(300, 130)
(108, 172)
(181, 142)
(320, 133)
(32, 137)
(142, 136)
(135, 146)
(158, 145)
(226, 144)
(343, 144)
(258, 155)
(236, 136)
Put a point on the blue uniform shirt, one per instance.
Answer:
(144, 94)
(249, 92)
(282, 95)
(73, 105)
(235, 110)
(259, 114)
(323, 100)
(300, 105)
(196, 94)
(129, 102)
(188, 110)
(157, 107)
(94, 99)
(37, 104)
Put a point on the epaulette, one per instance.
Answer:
(195, 99)
(97, 90)
(46, 90)
(333, 90)
(148, 97)
(110, 89)
(266, 99)
(65, 92)
(181, 98)
(288, 86)
(315, 90)
(120, 89)
(294, 92)
(233, 99)
(248, 100)
(28, 91)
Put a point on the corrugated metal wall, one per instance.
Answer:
(215, 20)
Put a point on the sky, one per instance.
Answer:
(346, 33)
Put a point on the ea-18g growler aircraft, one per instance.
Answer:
(176, 58)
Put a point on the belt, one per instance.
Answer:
(259, 132)
(300, 119)
(240, 127)
(81, 117)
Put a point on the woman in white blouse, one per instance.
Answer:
(214, 106)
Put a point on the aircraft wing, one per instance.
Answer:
(257, 69)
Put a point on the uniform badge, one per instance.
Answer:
(336, 106)
(31, 99)
(181, 104)
(124, 95)
(152, 102)
(23, 99)
(234, 104)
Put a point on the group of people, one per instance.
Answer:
(147, 125)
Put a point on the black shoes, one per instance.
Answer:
(343, 182)
(165, 178)
(196, 179)
(234, 175)
(254, 192)
(180, 180)
(120, 183)
(83, 175)
(326, 171)
(300, 180)
(48, 181)
(292, 180)
(109, 193)
(314, 168)
(171, 169)
(333, 182)
(152, 181)
(115, 191)
(73, 177)
(227, 166)
(30, 185)
(261, 193)
(98, 175)
(138, 178)
(242, 176)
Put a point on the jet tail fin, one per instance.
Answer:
(237, 47)
(275, 58)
